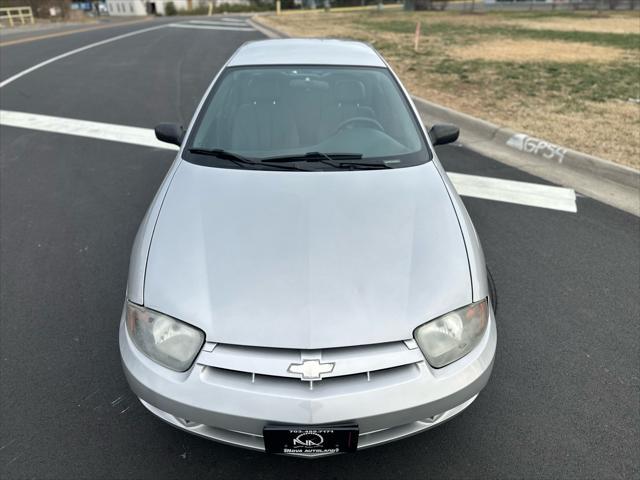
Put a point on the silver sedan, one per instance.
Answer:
(307, 281)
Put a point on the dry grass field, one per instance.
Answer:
(571, 78)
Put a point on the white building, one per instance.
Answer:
(148, 7)
(126, 7)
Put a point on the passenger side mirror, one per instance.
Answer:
(169, 133)
(444, 133)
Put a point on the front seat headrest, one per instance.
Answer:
(266, 87)
(350, 91)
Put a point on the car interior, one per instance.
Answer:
(269, 112)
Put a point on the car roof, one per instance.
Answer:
(298, 51)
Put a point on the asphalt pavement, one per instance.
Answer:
(564, 398)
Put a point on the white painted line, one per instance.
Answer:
(73, 52)
(83, 128)
(186, 25)
(219, 24)
(521, 193)
(216, 24)
(233, 20)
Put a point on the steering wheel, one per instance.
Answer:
(363, 120)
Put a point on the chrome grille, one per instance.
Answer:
(361, 367)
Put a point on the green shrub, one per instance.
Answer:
(202, 10)
(170, 9)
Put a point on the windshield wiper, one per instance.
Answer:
(239, 159)
(314, 157)
(335, 160)
(343, 161)
(364, 165)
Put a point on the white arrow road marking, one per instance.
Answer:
(83, 128)
(211, 27)
(521, 193)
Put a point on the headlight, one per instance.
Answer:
(168, 341)
(452, 336)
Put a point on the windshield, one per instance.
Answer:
(332, 116)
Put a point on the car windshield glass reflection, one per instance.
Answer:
(322, 117)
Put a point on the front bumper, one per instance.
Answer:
(235, 413)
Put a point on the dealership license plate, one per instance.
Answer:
(290, 439)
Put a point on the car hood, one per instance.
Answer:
(306, 260)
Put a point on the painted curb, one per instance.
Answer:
(529, 147)
(594, 177)
(614, 184)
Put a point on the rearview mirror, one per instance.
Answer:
(169, 133)
(444, 133)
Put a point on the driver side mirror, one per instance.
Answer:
(443, 133)
(169, 133)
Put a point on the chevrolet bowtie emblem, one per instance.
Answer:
(311, 369)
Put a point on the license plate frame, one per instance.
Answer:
(300, 440)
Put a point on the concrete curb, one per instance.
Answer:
(601, 179)
(265, 29)
(530, 147)
(610, 183)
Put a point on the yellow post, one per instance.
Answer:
(277, 7)
(416, 40)
(21, 16)
(10, 18)
(210, 8)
